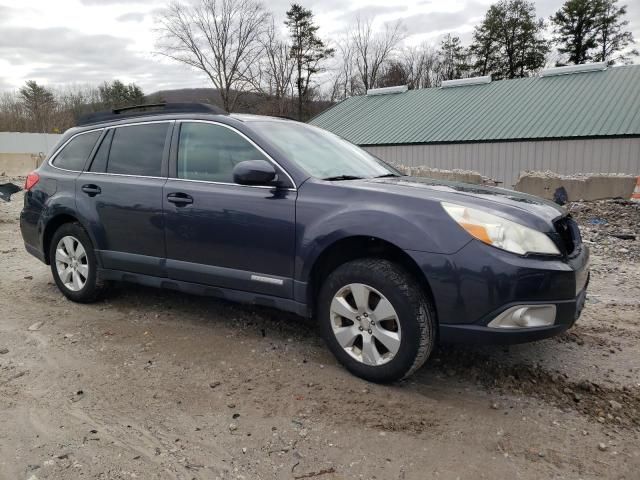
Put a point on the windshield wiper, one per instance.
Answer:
(342, 177)
(388, 175)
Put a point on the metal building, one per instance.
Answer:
(577, 119)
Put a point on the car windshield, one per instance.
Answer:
(322, 154)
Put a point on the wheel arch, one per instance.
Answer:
(357, 247)
(50, 229)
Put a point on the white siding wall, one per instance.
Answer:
(35, 143)
(504, 161)
(22, 152)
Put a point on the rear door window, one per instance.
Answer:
(74, 155)
(138, 150)
(209, 152)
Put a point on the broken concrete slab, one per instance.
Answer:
(455, 175)
(587, 187)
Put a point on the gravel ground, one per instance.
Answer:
(152, 384)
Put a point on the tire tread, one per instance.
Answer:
(99, 284)
(409, 288)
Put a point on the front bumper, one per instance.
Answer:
(473, 286)
(567, 312)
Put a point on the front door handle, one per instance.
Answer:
(91, 189)
(180, 199)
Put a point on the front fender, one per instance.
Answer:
(324, 217)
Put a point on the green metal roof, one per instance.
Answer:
(593, 104)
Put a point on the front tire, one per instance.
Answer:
(376, 319)
(73, 264)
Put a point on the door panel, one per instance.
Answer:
(231, 236)
(121, 195)
(127, 218)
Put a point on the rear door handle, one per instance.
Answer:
(91, 189)
(180, 199)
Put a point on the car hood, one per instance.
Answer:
(521, 207)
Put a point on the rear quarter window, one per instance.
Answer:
(75, 153)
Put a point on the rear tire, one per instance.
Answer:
(376, 319)
(73, 264)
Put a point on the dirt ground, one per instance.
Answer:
(152, 384)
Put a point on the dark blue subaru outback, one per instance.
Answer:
(278, 213)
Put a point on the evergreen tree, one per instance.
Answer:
(117, 94)
(484, 50)
(509, 43)
(576, 29)
(452, 57)
(612, 35)
(39, 102)
(307, 50)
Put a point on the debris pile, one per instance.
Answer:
(611, 228)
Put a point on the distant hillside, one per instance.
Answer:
(247, 103)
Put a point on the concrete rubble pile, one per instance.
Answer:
(611, 228)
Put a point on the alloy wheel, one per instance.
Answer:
(365, 324)
(72, 264)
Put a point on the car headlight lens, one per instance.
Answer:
(499, 232)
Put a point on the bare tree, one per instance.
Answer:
(222, 38)
(392, 74)
(277, 69)
(13, 117)
(372, 49)
(74, 101)
(351, 83)
(421, 66)
(344, 76)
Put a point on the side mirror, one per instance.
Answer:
(254, 172)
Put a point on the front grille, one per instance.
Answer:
(568, 234)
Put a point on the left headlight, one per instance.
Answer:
(500, 232)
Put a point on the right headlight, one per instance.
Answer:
(500, 232)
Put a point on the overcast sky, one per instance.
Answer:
(88, 41)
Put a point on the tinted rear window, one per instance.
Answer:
(138, 149)
(75, 153)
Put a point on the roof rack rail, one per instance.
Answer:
(148, 109)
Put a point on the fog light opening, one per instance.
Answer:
(525, 316)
